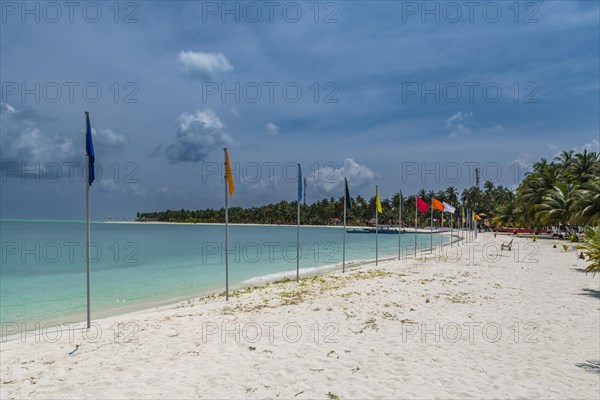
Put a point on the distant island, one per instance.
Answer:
(565, 191)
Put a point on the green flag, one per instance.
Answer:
(347, 195)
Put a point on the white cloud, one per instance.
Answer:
(456, 124)
(115, 188)
(22, 140)
(593, 146)
(272, 129)
(197, 135)
(202, 65)
(460, 124)
(108, 138)
(329, 179)
(552, 146)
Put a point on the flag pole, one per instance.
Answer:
(465, 223)
(462, 230)
(226, 229)
(344, 236)
(465, 228)
(400, 225)
(376, 226)
(469, 225)
(431, 229)
(442, 227)
(87, 223)
(298, 245)
(298, 226)
(451, 228)
(416, 216)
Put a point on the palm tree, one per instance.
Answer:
(557, 204)
(472, 198)
(565, 161)
(452, 195)
(506, 214)
(533, 188)
(591, 248)
(587, 204)
(585, 166)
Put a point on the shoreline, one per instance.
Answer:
(257, 282)
(514, 327)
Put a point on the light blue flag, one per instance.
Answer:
(299, 183)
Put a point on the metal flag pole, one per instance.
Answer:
(298, 246)
(344, 236)
(469, 226)
(458, 229)
(466, 226)
(376, 225)
(87, 222)
(226, 229)
(442, 227)
(298, 225)
(451, 228)
(416, 217)
(462, 230)
(400, 225)
(431, 229)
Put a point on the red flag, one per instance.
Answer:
(421, 205)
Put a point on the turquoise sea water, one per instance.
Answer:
(43, 272)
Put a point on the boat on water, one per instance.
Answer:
(358, 230)
(384, 229)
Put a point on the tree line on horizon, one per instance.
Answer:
(563, 191)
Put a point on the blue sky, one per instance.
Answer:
(388, 91)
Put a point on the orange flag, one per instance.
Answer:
(437, 205)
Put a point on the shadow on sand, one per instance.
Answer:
(591, 366)
(591, 292)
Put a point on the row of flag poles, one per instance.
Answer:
(420, 205)
(466, 221)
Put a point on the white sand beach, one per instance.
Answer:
(525, 324)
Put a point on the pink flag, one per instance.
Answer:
(421, 205)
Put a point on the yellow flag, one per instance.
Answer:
(228, 175)
(477, 217)
(377, 199)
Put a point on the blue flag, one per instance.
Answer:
(89, 149)
(299, 184)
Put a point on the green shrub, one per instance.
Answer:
(591, 248)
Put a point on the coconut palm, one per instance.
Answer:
(587, 205)
(531, 191)
(557, 204)
(565, 161)
(473, 198)
(591, 248)
(452, 195)
(585, 166)
(506, 214)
